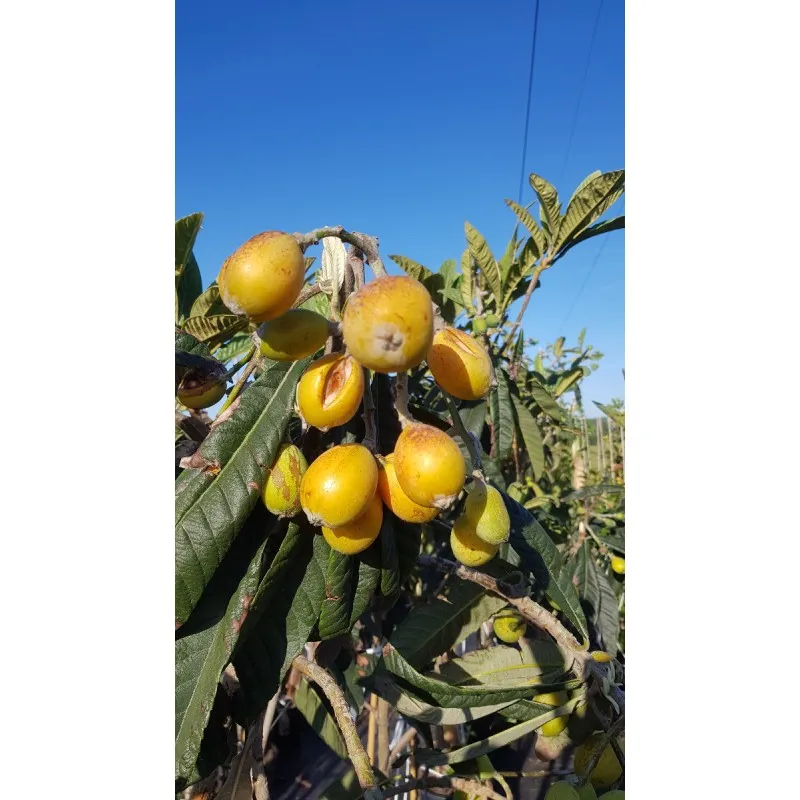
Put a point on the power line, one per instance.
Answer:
(528, 109)
(585, 280)
(580, 93)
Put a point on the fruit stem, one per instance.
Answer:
(401, 400)
(370, 432)
(341, 710)
(237, 389)
(466, 436)
(368, 245)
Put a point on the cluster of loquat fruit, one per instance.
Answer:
(387, 327)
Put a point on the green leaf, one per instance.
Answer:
(532, 436)
(546, 402)
(473, 415)
(450, 696)
(368, 576)
(235, 348)
(434, 758)
(283, 620)
(390, 561)
(466, 285)
(411, 705)
(585, 182)
(208, 302)
(502, 416)
(480, 251)
(594, 589)
(186, 343)
(413, 269)
(309, 703)
(434, 628)
(607, 226)
(190, 285)
(507, 260)
(186, 230)
(334, 617)
(239, 451)
(201, 655)
(617, 416)
(567, 381)
(538, 242)
(216, 328)
(539, 554)
(590, 202)
(550, 207)
(595, 491)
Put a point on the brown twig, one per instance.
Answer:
(368, 245)
(248, 371)
(341, 711)
(401, 399)
(383, 736)
(444, 782)
(582, 664)
(402, 742)
(372, 728)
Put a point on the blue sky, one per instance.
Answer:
(403, 120)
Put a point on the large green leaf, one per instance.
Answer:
(606, 226)
(186, 343)
(413, 269)
(546, 402)
(202, 654)
(614, 414)
(186, 230)
(594, 589)
(282, 623)
(216, 328)
(502, 416)
(409, 704)
(539, 245)
(209, 302)
(473, 415)
(585, 182)
(334, 617)
(475, 749)
(466, 285)
(539, 554)
(567, 381)
(550, 207)
(190, 286)
(591, 202)
(239, 451)
(309, 703)
(531, 436)
(454, 696)
(433, 628)
(368, 576)
(480, 251)
(390, 562)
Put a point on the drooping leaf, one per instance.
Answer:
(531, 436)
(334, 617)
(368, 576)
(614, 542)
(186, 230)
(502, 416)
(209, 302)
(186, 343)
(539, 244)
(594, 589)
(433, 628)
(549, 205)
(239, 451)
(480, 251)
(390, 562)
(201, 655)
(473, 415)
(508, 257)
(190, 286)
(494, 742)
(606, 226)
(309, 703)
(546, 402)
(567, 381)
(413, 269)
(287, 618)
(614, 414)
(590, 202)
(216, 328)
(454, 696)
(538, 553)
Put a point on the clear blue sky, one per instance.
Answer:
(403, 120)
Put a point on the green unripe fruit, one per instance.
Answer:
(492, 320)
(562, 791)
(281, 493)
(616, 794)
(479, 325)
(508, 627)
(586, 792)
(294, 335)
(557, 725)
(487, 513)
(608, 770)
